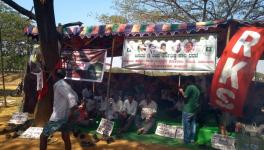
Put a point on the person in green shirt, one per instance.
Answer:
(190, 109)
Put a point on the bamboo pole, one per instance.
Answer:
(2, 66)
(179, 84)
(110, 70)
(228, 34)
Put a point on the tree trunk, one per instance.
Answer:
(44, 12)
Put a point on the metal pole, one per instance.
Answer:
(2, 66)
(110, 70)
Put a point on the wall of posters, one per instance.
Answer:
(187, 53)
(84, 64)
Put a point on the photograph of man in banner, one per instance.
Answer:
(85, 65)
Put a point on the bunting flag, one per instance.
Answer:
(235, 69)
(133, 30)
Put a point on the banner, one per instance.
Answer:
(235, 69)
(186, 53)
(84, 64)
(105, 127)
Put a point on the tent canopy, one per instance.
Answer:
(143, 29)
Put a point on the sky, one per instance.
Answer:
(67, 11)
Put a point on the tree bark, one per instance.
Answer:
(44, 12)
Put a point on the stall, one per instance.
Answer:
(149, 58)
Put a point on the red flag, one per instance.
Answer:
(235, 69)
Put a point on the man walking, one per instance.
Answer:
(190, 109)
(65, 101)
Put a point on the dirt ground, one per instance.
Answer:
(27, 144)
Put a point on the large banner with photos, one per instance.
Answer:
(184, 53)
(84, 64)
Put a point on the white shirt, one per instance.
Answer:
(147, 109)
(130, 108)
(64, 99)
(117, 106)
(112, 108)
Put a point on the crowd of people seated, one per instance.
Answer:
(125, 110)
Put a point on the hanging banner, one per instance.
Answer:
(84, 64)
(187, 53)
(235, 69)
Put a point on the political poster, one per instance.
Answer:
(184, 53)
(105, 127)
(18, 118)
(84, 64)
(223, 142)
(32, 133)
(170, 131)
(179, 132)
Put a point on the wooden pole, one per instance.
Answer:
(2, 66)
(228, 34)
(179, 84)
(110, 70)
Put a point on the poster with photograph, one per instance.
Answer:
(223, 142)
(18, 118)
(179, 132)
(187, 53)
(105, 127)
(32, 133)
(84, 64)
(166, 130)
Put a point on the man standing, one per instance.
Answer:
(128, 113)
(190, 109)
(146, 120)
(65, 101)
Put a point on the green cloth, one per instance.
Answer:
(192, 94)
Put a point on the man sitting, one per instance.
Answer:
(128, 113)
(148, 109)
(114, 107)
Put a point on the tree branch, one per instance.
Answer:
(251, 9)
(72, 24)
(204, 10)
(184, 11)
(20, 9)
(229, 12)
